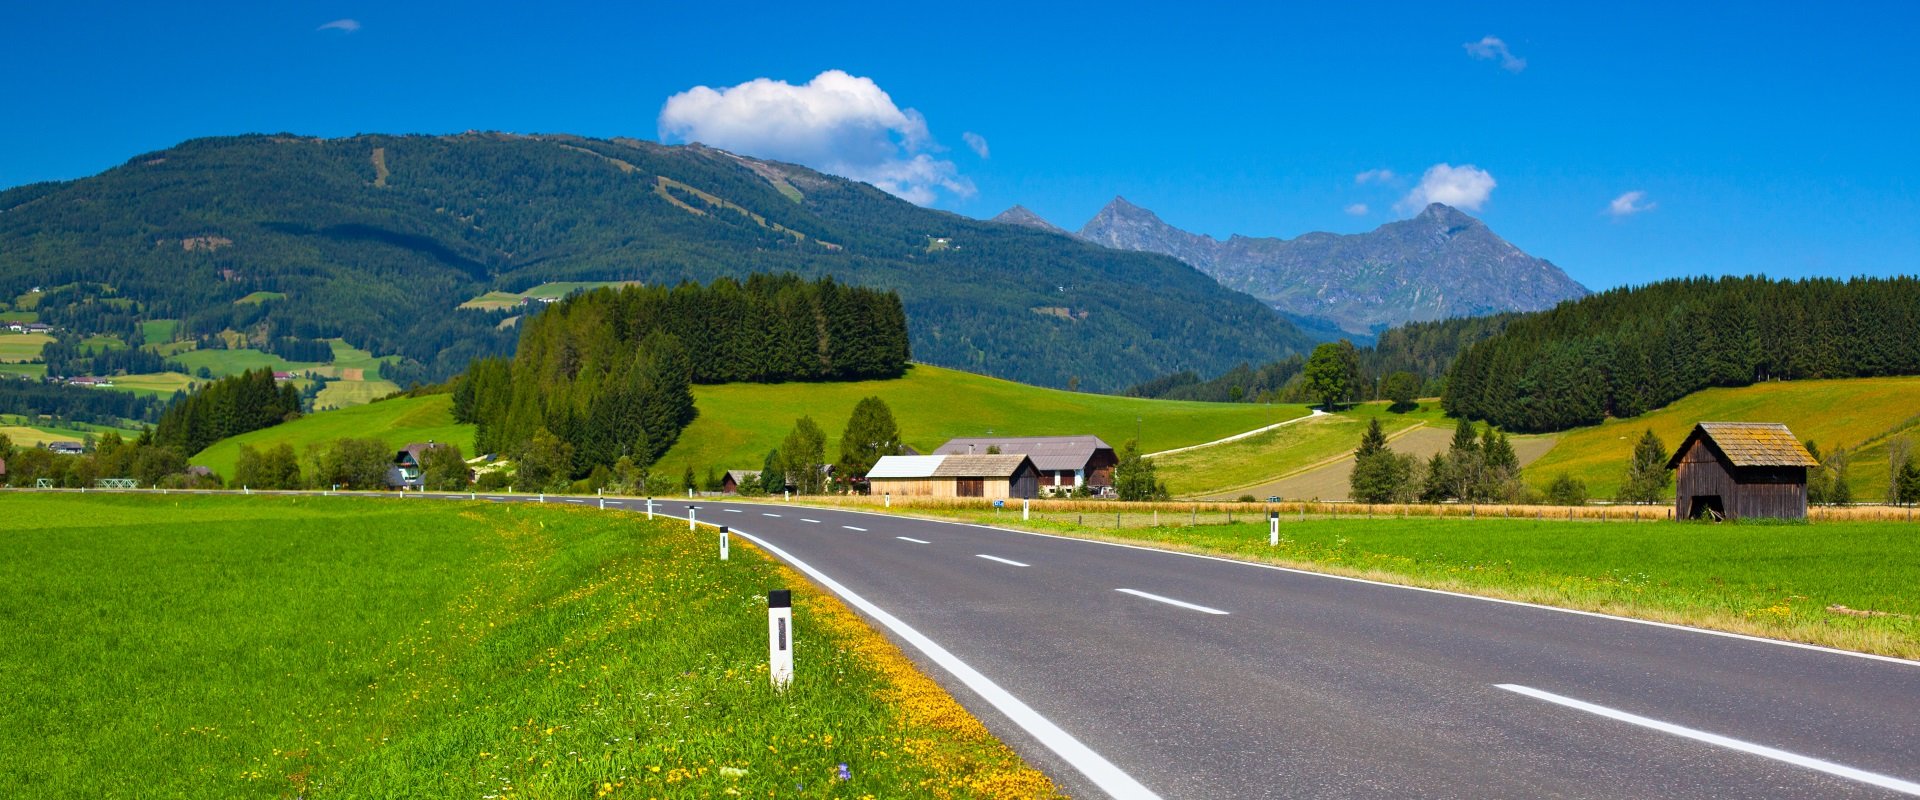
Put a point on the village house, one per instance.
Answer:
(1064, 462)
(66, 448)
(1729, 470)
(405, 472)
(737, 478)
(986, 476)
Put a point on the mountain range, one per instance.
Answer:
(1439, 264)
(378, 239)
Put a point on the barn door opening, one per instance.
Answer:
(1706, 506)
(971, 487)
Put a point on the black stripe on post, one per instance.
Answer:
(780, 598)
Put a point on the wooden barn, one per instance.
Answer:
(993, 477)
(1063, 461)
(1729, 470)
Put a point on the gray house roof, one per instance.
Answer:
(994, 466)
(1048, 452)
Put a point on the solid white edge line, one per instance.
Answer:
(1170, 601)
(1103, 773)
(851, 528)
(911, 539)
(1809, 762)
(1350, 579)
(1001, 560)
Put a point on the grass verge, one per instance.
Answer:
(345, 647)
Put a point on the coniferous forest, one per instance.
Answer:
(227, 407)
(608, 373)
(1627, 351)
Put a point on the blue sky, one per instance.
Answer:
(1776, 139)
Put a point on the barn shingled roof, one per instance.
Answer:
(1750, 444)
(993, 466)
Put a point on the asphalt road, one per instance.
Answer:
(1114, 670)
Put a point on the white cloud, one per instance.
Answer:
(342, 25)
(1490, 48)
(1375, 176)
(1464, 187)
(977, 142)
(835, 123)
(1357, 209)
(1629, 204)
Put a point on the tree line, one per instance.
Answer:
(603, 380)
(227, 407)
(1626, 351)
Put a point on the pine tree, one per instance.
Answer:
(870, 434)
(804, 456)
(1133, 476)
(1647, 477)
(773, 473)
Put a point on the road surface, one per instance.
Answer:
(1133, 672)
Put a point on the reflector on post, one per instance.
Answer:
(780, 637)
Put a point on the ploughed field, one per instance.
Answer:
(218, 646)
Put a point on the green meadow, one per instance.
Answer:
(397, 422)
(315, 647)
(15, 347)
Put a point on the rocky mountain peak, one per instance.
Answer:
(1021, 215)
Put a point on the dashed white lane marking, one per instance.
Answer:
(814, 521)
(851, 528)
(768, 515)
(1103, 773)
(1001, 560)
(731, 510)
(911, 539)
(1172, 602)
(493, 497)
(1841, 770)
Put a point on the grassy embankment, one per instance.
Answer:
(337, 647)
(397, 422)
(740, 422)
(1846, 584)
(1834, 413)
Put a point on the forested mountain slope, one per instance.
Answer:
(378, 238)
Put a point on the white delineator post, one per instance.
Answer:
(649, 508)
(691, 511)
(888, 497)
(1273, 529)
(780, 637)
(1023, 508)
(723, 543)
(603, 498)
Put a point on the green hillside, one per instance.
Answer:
(396, 422)
(1833, 413)
(386, 236)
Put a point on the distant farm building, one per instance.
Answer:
(737, 478)
(1729, 470)
(1063, 461)
(67, 448)
(993, 477)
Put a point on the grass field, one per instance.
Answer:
(346, 647)
(256, 298)
(159, 331)
(1832, 413)
(396, 422)
(101, 342)
(30, 433)
(1777, 580)
(17, 347)
(19, 316)
(495, 301)
(162, 384)
(340, 394)
(28, 370)
(1256, 460)
(740, 422)
(233, 362)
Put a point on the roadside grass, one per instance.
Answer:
(397, 422)
(1830, 412)
(17, 347)
(1257, 459)
(346, 647)
(740, 422)
(1842, 584)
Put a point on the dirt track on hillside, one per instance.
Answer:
(1329, 481)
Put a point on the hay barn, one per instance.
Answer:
(1730, 470)
(993, 477)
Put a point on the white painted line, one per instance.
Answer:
(1311, 413)
(814, 521)
(731, 510)
(1111, 779)
(1172, 602)
(769, 515)
(616, 502)
(851, 528)
(911, 539)
(1482, 598)
(1001, 560)
(1841, 770)
(492, 497)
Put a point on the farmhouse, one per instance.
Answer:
(1063, 461)
(1728, 470)
(737, 478)
(994, 476)
(66, 448)
(405, 471)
